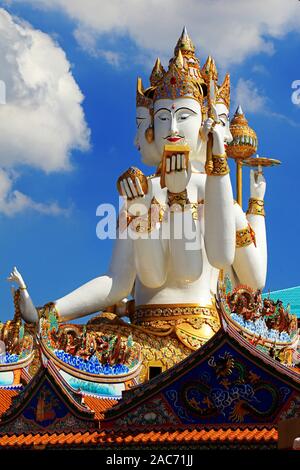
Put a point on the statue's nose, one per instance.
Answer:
(174, 128)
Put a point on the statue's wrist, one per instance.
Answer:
(245, 237)
(177, 202)
(256, 206)
(220, 165)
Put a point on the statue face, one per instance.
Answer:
(178, 122)
(149, 153)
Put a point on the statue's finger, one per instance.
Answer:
(132, 187)
(127, 189)
(183, 162)
(139, 187)
(122, 189)
(178, 162)
(173, 163)
(252, 178)
(168, 165)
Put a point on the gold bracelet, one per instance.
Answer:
(245, 237)
(256, 206)
(178, 201)
(220, 165)
(23, 288)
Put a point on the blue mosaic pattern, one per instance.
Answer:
(9, 358)
(92, 365)
(260, 328)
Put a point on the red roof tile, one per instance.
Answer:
(6, 399)
(104, 438)
(99, 405)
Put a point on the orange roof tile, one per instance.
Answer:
(99, 405)
(104, 437)
(6, 399)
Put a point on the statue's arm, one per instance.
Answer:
(93, 296)
(219, 218)
(251, 261)
(102, 291)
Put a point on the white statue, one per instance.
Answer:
(171, 271)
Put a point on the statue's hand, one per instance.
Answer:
(134, 187)
(218, 130)
(257, 184)
(16, 277)
(177, 175)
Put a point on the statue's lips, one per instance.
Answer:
(174, 139)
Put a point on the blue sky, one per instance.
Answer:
(56, 253)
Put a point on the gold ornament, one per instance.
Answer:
(256, 206)
(244, 142)
(149, 134)
(178, 201)
(223, 92)
(132, 173)
(220, 165)
(141, 98)
(245, 237)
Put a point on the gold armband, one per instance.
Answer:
(178, 201)
(245, 237)
(47, 310)
(256, 206)
(220, 165)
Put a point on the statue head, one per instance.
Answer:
(172, 110)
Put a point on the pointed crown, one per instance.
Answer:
(184, 78)
(223, 92)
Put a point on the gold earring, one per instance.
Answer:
(149, 134)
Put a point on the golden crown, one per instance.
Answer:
(184, 78)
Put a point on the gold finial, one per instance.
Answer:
(223, 92)
(179, 60)
(209, 70)
(141, 99)
(244, 143)
(184, 44)
(157, 73)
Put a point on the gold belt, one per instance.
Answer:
(169, 312)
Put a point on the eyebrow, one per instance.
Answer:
(223, 114)
(179, 109)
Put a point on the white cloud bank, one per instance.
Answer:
(42, 120)
(230, 30)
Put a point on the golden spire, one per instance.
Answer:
(157, 73)
(209, 70)
(141, 99)
(223, 92)
(184, 44)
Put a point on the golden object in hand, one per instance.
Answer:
(170, 150)
(133, 173)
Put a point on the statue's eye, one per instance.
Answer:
(183, 117)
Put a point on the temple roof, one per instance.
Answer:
(287, 296)
(130, 439)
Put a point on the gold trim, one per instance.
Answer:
(220, 165)
(256, 206)
(245, 237)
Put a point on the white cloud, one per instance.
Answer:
(253, 100)
(249, 97)
(42, 120)
(88, 42)
(231, 30)
(13, 201)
